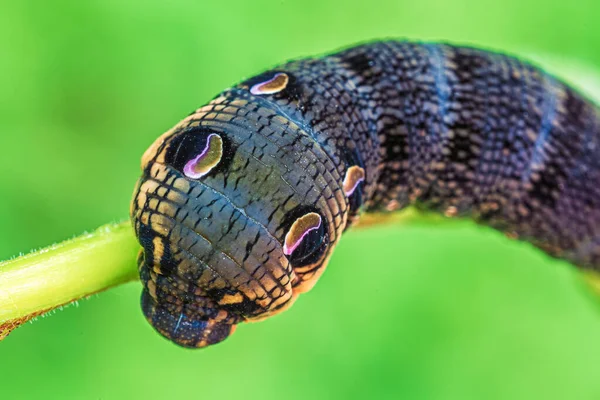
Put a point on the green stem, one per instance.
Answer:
(60, 274)
(36, 283)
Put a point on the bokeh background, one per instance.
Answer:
(414, 311)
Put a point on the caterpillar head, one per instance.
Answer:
(237, 211)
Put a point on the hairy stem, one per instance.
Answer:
(60, 274)
(36, 283)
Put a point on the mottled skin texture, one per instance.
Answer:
(450, 129)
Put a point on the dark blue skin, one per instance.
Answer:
(450, 129)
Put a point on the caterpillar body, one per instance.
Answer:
(241, 204)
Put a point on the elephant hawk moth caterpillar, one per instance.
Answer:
(241, 204)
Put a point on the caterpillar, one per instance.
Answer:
(241, 204)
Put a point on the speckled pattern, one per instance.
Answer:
(451, 129)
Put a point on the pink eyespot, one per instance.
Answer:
(274, 85)
(208, 158)
(354, 176)
(300, 228)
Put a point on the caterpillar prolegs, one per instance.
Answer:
(241, 204)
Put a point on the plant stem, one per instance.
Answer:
(43, 280)
(36, 283)
(60, 274)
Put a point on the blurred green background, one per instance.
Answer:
(415, 312)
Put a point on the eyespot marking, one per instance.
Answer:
(274, 85)
(354, 176)
(300, 228)
(208, 158)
